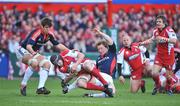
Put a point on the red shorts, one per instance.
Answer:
(137, 74)
(164, 62)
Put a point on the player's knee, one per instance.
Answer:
(45, 64)
(33, 63)
(81, 83)
(134, 90)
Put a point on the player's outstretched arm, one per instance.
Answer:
(61, 47)
(121, 78)
(146, 42)
(105, 36)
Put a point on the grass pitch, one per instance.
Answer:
(10, 96)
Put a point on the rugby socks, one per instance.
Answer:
(100, 95)
(43, 75)
(72, 86)
(91, 86)
(28, 73)
(95, 72)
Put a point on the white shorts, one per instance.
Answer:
(107, 78)
(20, 52)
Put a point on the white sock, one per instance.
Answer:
(43, 75)
(61, 75)
(101, 95)
(28, 73)
(72, 86)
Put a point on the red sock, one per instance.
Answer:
(95, 72)
(157, 81)
(91, 86)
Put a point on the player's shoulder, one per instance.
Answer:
(121, 50)
(155, 31)
(36, 31)
(51, 32)
(169, 29)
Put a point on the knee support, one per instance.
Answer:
(32, 61)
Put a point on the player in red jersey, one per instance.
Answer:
(74, 63)
(82, 80)
(132, 54)
(165, 38)
(163, 82)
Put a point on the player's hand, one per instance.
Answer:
(121, 79)
(97, 30)
(161, 39)
(140, 43)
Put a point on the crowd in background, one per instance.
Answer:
(73, 29)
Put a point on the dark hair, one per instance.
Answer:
(55, 58)
(163, 19)
(46, 21)
(102, 43)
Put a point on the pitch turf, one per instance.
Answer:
(10, 96)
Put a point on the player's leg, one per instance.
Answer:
(155, 76)
(43, 75)
(162, 80)
(97, 82)
(148, 69)
(83, 82)
(136, 81)
(76, 84)
(134, 85)
(89, 66)
(28, 73)
(170, 82)
(25, 57)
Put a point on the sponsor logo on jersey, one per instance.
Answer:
(105, 58)
(133, 56)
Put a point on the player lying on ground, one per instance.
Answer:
(163, 82)
(74, 63)
(82, 80)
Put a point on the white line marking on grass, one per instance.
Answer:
(66, 101)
